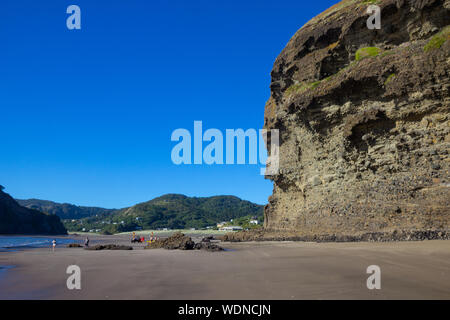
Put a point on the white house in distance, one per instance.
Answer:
(254, 222)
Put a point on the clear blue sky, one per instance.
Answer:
(86, 115)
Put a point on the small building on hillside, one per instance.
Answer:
(221, 224)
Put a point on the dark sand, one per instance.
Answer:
(269, 270)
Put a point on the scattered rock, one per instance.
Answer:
(435, 166)
(74, 245)
(181, 242)
(314, 181)
(396, 235)
(208, 246)
(208, 239)
(109, 247)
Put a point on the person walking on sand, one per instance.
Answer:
(53, 245)
(86, 242)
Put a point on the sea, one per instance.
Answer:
(14, 243)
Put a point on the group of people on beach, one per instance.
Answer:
(135, 238)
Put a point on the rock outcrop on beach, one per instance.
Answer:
(15, 219)
(99, 247)
(176, 241)
(179, 241)
(74, 245)
(207, 245)
(364, 123)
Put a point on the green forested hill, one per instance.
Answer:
(63, 210)
(171, 211)
(15, 219)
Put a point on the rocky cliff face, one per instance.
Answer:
(364, 122)
(15, 219)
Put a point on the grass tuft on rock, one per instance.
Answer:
(389, 78)
(301, 87)
(438, 40)
(371, 1)
(367, 52)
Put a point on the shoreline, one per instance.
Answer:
(4, 271)
(45, 241)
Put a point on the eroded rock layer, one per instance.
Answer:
(364, 122)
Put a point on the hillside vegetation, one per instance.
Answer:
(63, 210)
(172, 211)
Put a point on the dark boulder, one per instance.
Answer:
(182, 242)
(176, 241)
(208, 246)
(74, 245)
(109, 247)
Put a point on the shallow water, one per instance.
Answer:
(12, 243)
(15, 243)
(4, 268)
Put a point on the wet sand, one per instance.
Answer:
(264, 270)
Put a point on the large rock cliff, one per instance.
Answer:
(364, 122)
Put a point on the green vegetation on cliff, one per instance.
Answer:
(389, 78)
(367, 52)
(438, 40)
(301, 87)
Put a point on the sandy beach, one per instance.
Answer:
(263, 270)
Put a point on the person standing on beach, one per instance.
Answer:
(53, 245)
(86, 242)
